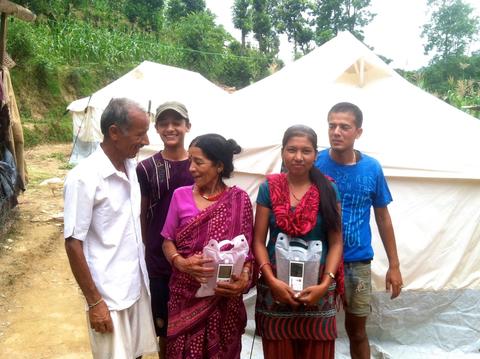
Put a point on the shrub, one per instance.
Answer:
(21, 42)
(46, 76)
(32, 136)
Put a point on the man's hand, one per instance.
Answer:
(100, 319)
(393, 278)
(393, 281)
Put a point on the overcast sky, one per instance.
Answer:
(394, 32)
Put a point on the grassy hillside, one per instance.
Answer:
(76, 47)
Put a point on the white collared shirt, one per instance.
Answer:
(102, 209)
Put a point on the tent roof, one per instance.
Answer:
(411, 132)
(152, 83)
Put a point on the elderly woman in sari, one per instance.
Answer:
(212, 326)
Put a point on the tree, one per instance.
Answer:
(451, 29)
(242, 17)
(292, 20)
(263, 28)
(178, 9)
(333, 16)
(243, 66)
(201, 42)
(148, 13)
(458, 68)
(194, 5)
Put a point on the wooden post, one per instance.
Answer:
(3, 37)
(10, 8)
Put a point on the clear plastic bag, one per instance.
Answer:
(233, 257)
(297, 261)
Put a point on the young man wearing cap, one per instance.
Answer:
(362, 186)
(159, 176)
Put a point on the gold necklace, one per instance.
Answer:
(213, 197)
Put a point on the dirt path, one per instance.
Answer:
(40, 305)
(41, 308)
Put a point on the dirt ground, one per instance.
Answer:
(41, 307)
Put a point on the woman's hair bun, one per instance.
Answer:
(236, 149)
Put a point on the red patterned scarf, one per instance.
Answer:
(302, 219)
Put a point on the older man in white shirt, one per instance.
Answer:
(103, 237)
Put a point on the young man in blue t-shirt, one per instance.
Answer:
(362, 185)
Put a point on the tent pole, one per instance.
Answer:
(362, 72)
(3, 37)
(80, 128)
(149, 109)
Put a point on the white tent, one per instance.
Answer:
(430, 154)
(429, 151)
(149, 84)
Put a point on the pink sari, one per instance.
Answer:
(209, 327)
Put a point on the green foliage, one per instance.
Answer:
(78, 78)
(63, 159)
(243, 66)
(178, 9)
(79, 42)
(51, 129)
(175, 10)
(457, 68)
(205, 43)
(454, 79)
(263, 27)
(194, 41)
(451, 28)
(333, 16)
(67, 166)
(50, 8)
(415, 77)
(194, 5)
(148, 13)
(76, 47)
(242, 17)
(292, 20)
(32, 136)
(45, 75)
(20, 42)
(59, 156)
(235, 71)
(463, 93)
(303, 21)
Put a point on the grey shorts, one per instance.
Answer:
(358, 288)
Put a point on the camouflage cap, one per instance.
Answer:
(174, 106)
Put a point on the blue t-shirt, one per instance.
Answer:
(361, 186)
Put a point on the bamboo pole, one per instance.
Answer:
(10, 8)
(3, 37)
